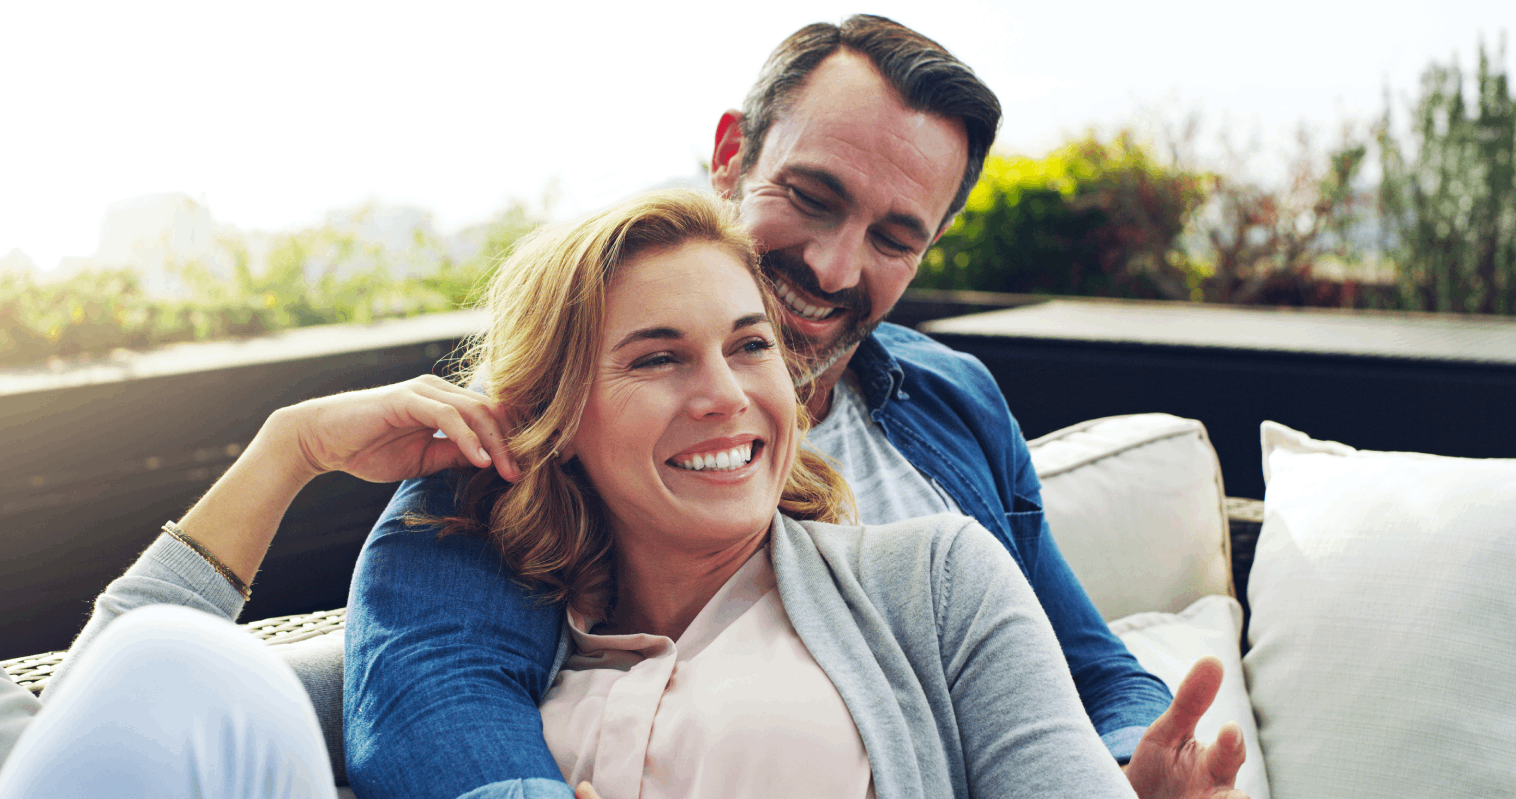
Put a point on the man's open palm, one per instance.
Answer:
(1170, 764)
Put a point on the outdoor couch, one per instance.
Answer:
(1378, 655)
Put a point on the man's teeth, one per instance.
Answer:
(801, 307)
(734, 458)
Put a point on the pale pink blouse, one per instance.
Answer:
(736, 708)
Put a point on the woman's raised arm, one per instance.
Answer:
(381, 435)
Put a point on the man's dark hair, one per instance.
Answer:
(924, 74)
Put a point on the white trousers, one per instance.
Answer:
(172, 702)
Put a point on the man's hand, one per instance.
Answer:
(1170, 764)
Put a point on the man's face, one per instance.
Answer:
(849, 190)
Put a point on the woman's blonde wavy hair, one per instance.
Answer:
(538, 357)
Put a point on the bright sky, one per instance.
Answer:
(276, 112)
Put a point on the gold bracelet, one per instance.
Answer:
(173, 529)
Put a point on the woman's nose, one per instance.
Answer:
(717, 392)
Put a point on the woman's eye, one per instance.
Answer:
(653, 361)
(757, 346)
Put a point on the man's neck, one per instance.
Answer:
(820, 401)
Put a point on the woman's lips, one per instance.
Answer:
(722, 457)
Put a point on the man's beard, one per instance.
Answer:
(813, 358)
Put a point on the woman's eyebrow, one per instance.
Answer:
(750, 320)
(648, 333)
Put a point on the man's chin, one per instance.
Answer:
(814, 358)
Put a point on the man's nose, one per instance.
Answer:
(836, 258)
(717, 392)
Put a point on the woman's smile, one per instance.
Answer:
(726, 455)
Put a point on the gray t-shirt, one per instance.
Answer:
(887, 487)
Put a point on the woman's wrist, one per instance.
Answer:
(237, 518)
(282, 454)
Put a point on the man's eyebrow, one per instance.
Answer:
(909, 222)
(651, 333)
(825, 178)
(916, 226)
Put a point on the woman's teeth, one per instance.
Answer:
(801, 307)
(726, 460)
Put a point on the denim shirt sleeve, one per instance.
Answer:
(946, 414)
(446, 661)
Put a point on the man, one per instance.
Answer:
(854, 151)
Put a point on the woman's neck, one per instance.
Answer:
(660, 590)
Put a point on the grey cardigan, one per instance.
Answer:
(944, 658)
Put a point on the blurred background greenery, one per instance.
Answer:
(1419, 215)
(1419, 220)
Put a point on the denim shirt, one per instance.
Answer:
(943, 410)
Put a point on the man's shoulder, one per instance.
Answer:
(925, 360)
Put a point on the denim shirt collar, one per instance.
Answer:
(880, 376)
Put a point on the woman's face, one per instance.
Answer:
(689, 430)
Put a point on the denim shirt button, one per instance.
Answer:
(901, 395)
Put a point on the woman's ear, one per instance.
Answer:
(566, 452)
(726, 158)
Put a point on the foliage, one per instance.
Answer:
(1262, 243)
(310, 277)
(1450, 203)
(1109, 219)
(1093, 217)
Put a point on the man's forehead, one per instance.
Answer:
(848, 124)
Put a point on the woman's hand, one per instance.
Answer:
(387, 434)
(381, 435)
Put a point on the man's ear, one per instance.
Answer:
(726, 158)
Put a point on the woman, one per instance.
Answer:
(174, 700)
(714, 645)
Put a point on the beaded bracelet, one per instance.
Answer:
(173, 529)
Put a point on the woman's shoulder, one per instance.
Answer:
(932, 543)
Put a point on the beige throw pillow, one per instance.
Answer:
(1384, 622)
(1137, 508)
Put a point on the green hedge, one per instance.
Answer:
(1092, 218)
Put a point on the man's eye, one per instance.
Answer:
(806, 202)
(890, 246)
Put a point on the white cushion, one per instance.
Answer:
(1137, 508)
(1383, 596)
(1168, 644)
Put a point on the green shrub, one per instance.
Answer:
(1092, 218)
(1449, 200)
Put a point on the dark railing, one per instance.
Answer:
(99, 455)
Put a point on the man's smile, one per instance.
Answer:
(798, 305)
